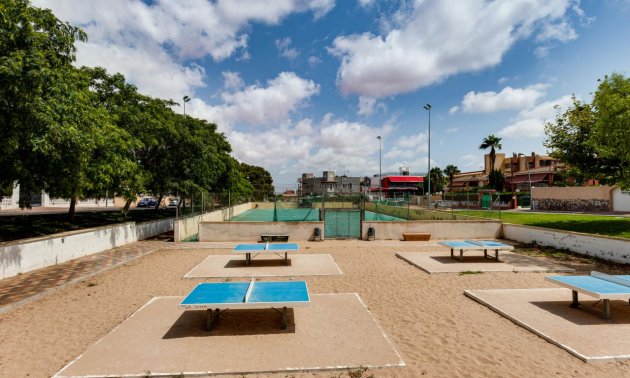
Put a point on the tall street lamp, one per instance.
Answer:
(380, 180)
(428, 108)
(186, 99)
(529, 176)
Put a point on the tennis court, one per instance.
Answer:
(298, 214)
(281, 215)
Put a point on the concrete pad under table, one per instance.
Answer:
(218, 266)
(474, 261)
(546, 312)
(335, 332)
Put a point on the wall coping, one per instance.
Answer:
(75, 232)
(570, 232)
(63, 234)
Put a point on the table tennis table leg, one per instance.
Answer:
(607, 309)
(452, 253)
(574, 302)
(285, 318)
(211, 318)
(485, 253)
(496, 254)
(248, 258)
(286, 258)
(461, 255)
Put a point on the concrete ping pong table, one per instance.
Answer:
(246, 295)
(476, 245)
(598, 285)
(276, 248)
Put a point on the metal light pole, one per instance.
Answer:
(529, 176)
(380, 179)
(428, 107)
(186, 99)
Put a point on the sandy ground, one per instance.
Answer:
(435, 328)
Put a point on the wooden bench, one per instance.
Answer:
(267, 238)
(416, 236)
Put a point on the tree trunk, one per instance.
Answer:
(159, 201)
(125, 209)
(71, 211)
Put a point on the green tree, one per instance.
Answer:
(437, 180)
(493, 143)
(450, 171)
(611, 130)
(260, 179)
(496, 180)
(569, 139)
(36, 49)
(123, 173)
(81, 151)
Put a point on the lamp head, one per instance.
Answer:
(378, 137)
(427, 106)
(186, 98)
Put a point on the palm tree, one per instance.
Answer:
(493, 143)
(451, 170)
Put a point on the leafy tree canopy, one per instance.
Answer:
(589, 140)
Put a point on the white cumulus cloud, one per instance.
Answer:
(258, 105)
(530, 123)
(508, 98)
(434, 39)
(149, 42)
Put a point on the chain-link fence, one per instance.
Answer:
(200, 202)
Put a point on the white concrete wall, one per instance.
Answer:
(456, 229)
(146, 230)
(185, 228)
(12, 201)
(85, 202)
(251, 231)
(23, 256)
(607, 248)
(621, 200)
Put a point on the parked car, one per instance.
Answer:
(147, 202)
(173, 202)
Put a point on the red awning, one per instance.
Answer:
(537, 177)
(404, 178)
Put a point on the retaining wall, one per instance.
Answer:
(581, 198)
(621, 200)
(456, 229)
(251, 231)
(25, 255)
(608, 248)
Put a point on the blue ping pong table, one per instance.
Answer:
(598, 285)
(246, 295)
(484, 245)
(275, 248)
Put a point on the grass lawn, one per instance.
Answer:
(590, 224)
(13, 227)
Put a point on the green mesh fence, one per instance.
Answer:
(277, 214)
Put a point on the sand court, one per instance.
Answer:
(582, 332)
(474, 261)
(233, 266)
(162, 339)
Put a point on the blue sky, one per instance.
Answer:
(306, 86)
